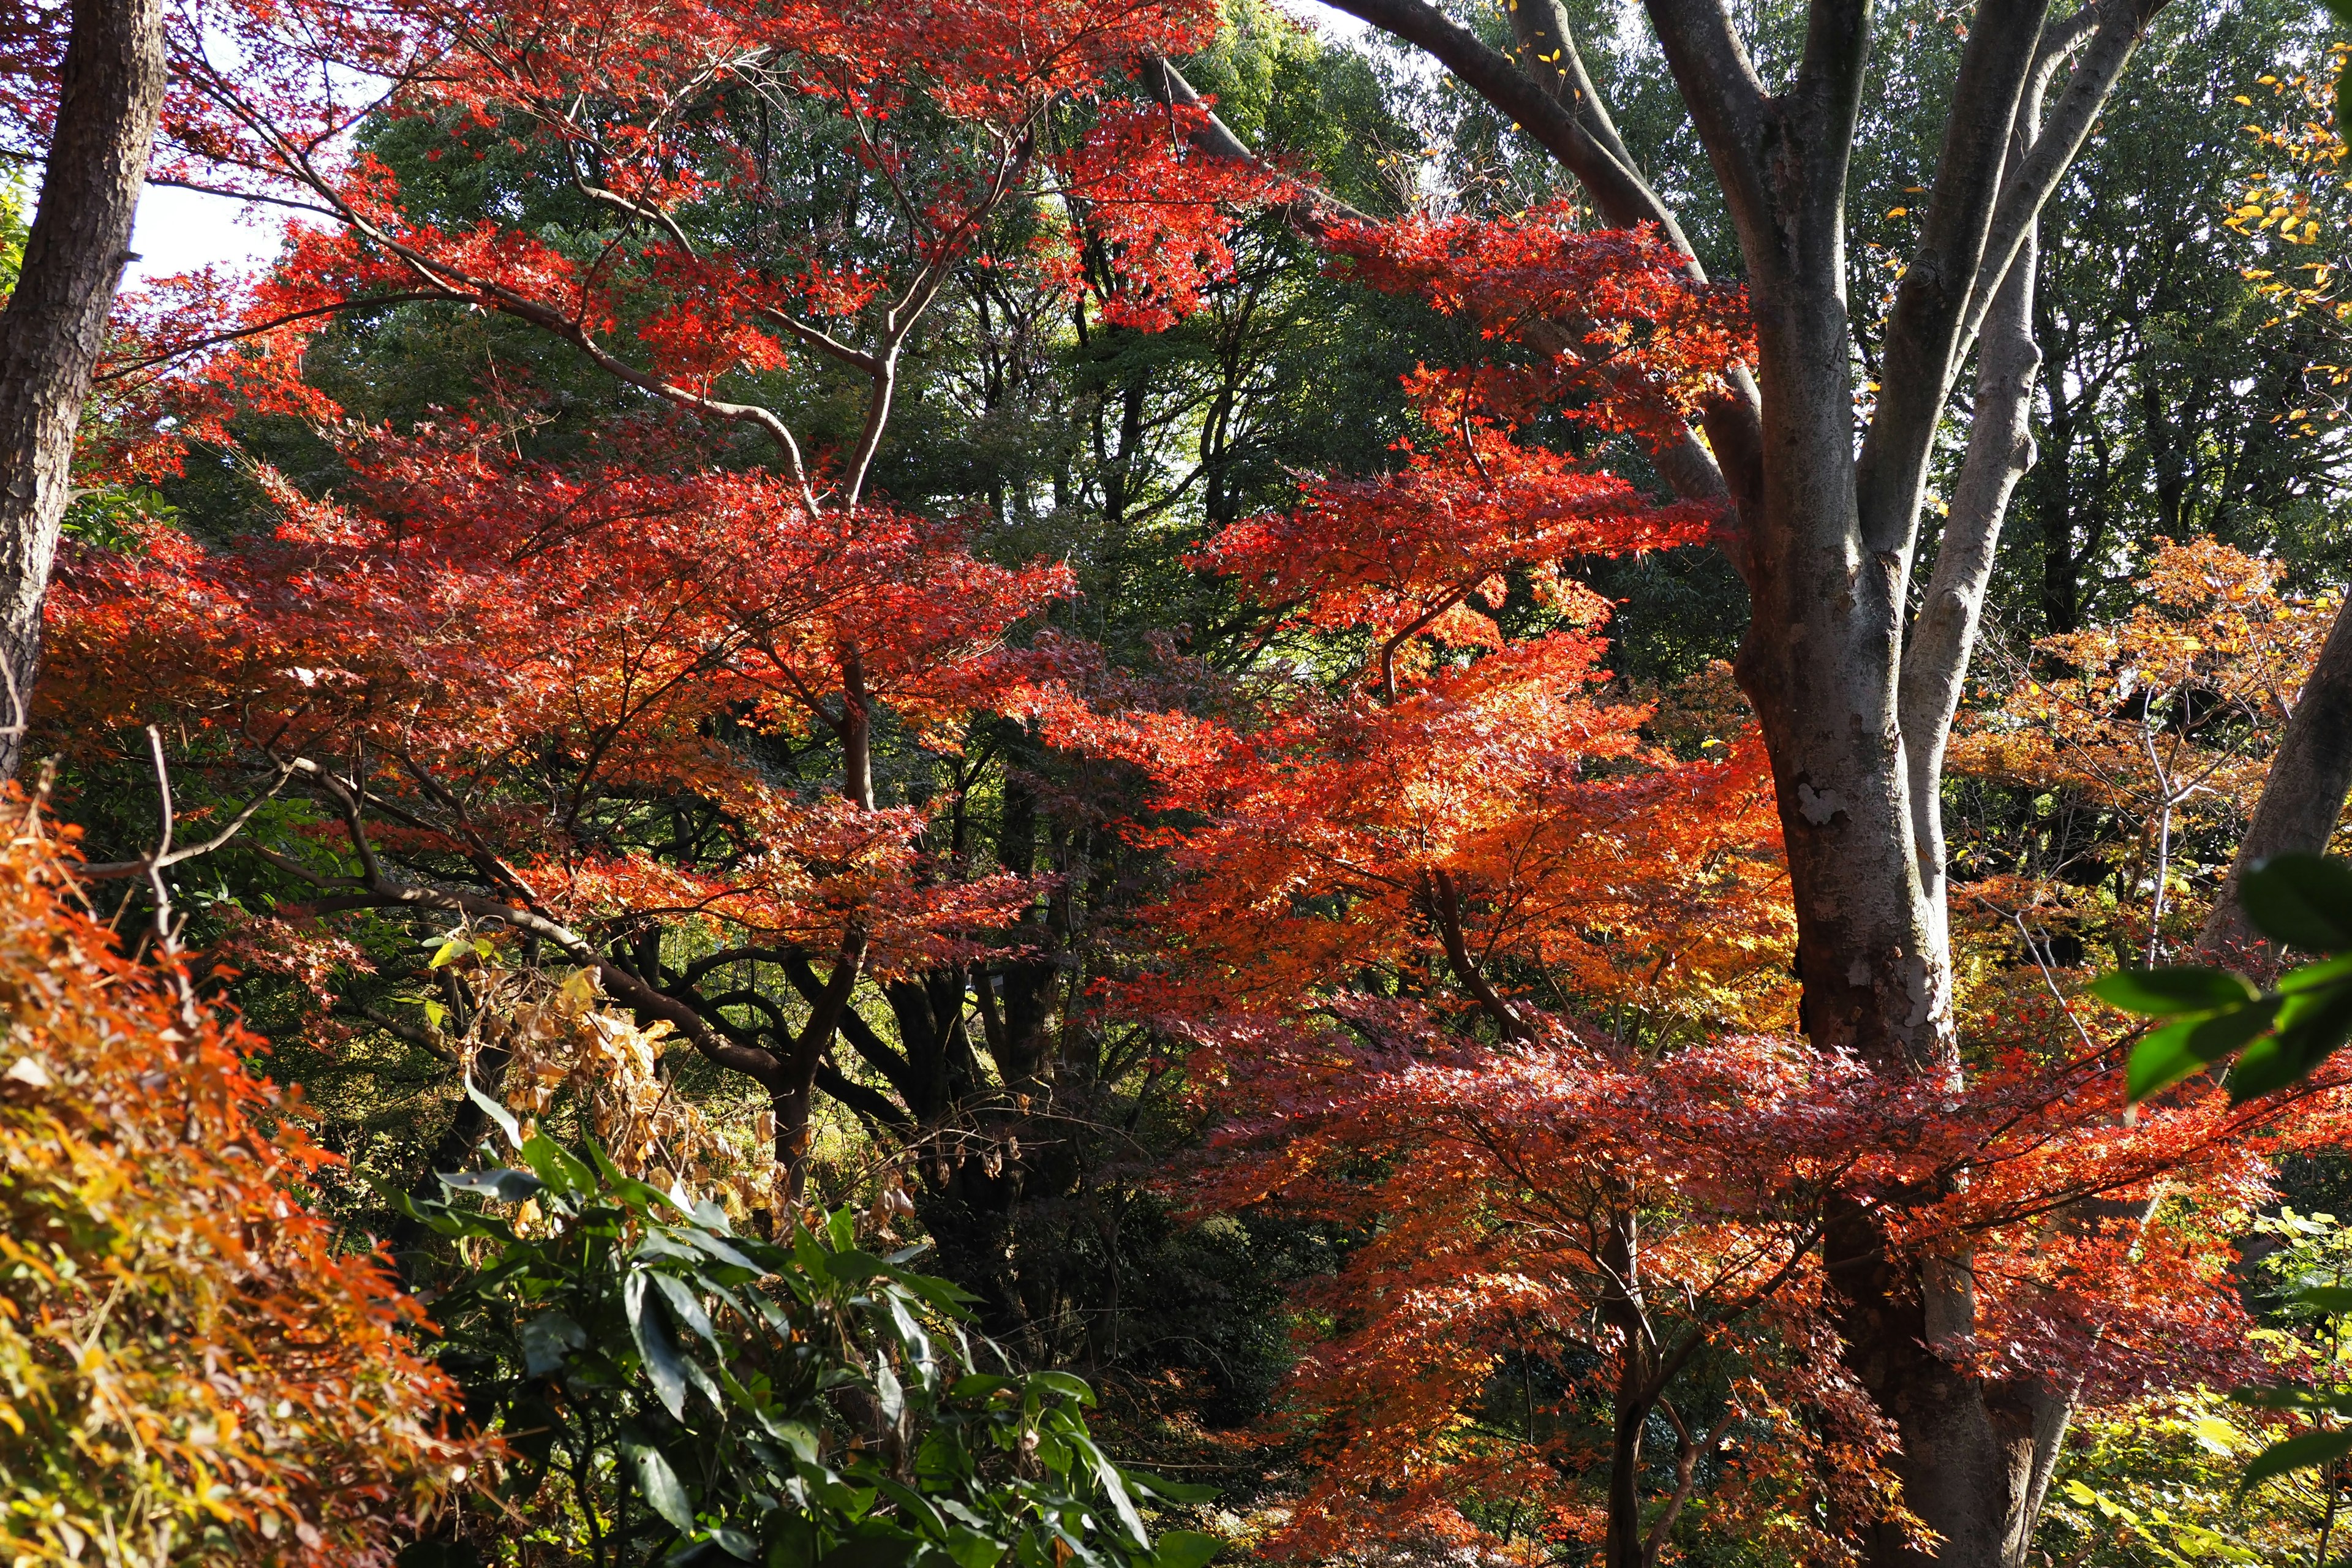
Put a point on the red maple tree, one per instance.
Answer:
(549, 697)
(1472, 963)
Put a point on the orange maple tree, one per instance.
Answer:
(194, 1367)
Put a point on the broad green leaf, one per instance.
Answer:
(1174, 1491)
(971, 1549)
(917, 1343)
(892, 1397)
(2306, 1452)
(978, 1385)
(721, 1251)
(661, 1358)
(914, 1505)
(2177, 1050)
(1062, 1383)
(2270, 1063)
(505, 1186)
(495, 1112)
(1184, 1549)
(663, 1492)
(545, 1338)
(2317, 976)
(688, 1311)
(853, 1266)
(2316, 1022)
(2302, 900)
(2324, 1298)
(557, 1166)
(2167, 992)
(1114, 1486)
(735, 1543)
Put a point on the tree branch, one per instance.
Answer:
(1923, 331)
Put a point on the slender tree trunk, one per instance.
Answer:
(111, 92)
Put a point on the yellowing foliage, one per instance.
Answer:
(192, 1370)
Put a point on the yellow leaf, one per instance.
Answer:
(1896, 212)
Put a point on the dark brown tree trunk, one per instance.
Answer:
(2303, 798)
(111, 92)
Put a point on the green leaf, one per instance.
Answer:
(688, 1311)
(2317, 976)
(1184, 1549)
(2302, 900)
(556, 1166)
(663, 1492)
(505, 1186)
(735, 1543)
(2177, 1050)
(892, 1397)
(544, 1340)
(661, 1358)
(493, 1111)
(2167, 992)
(1062, 1383)
(2306, 1452)
(2324, 1298)
(2316, 1022)
(917, 1343)
(1113, 1485)
(978, 1385)
(2270, 1063)
(853, 1266)
(1174, 1491)
(971, 1549)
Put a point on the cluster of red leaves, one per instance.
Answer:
(1611, 330)
(193, 1368)
(1156, 208)
(650, 108)
(1522, 1206)
(515, 652)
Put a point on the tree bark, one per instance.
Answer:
(111, 93)
(2301, 799)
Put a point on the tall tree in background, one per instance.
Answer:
(109, 96)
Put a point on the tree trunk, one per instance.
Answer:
(2301, 799)
(111, 92)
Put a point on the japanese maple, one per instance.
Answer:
(551, 697)
(1470, 961)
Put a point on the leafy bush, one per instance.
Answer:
(672, 1391)
(191, 1371)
